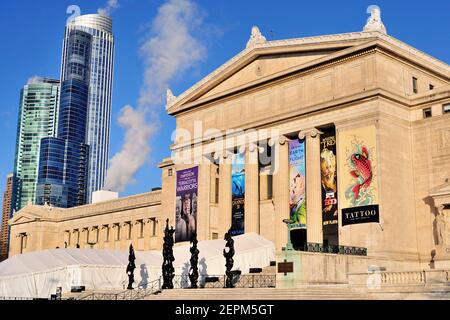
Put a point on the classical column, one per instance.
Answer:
(135, 233)
(251, 207)
(203, 200)
(225, 194)
(313, 185)
(102, 238)
(280, 189)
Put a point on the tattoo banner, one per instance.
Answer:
(328, 170)
(186, 205)
(297, 181)
(238, 194)
(358, 183)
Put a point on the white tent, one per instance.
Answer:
(38, 274)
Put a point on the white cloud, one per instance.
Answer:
(111, 6)
(169, 50)
(34, 80)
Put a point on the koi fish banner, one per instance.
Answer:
(186, 204)
(358, 183)
(297, 184)
(237, 194)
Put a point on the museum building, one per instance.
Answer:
(317, 142)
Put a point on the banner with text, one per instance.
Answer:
(238, 194)
(297, 184)
(328, 170)
(186, 204)
(358, 183)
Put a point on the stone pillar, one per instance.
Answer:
(204, 200)
(281, 190)
(102, 238)
(135, 233)
(313, 185)
(225, 194)
(251, 208)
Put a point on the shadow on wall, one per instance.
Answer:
(433, 210)
(429, 201)
(144, 277)
(203, 270)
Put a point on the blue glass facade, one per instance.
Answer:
(63, 161)
(100, 92)
(38, 115)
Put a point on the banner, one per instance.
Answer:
(328, 170)
(238, 195)
(358, 184)
(297, 184)
(186, 204)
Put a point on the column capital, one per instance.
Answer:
(310, 132)
(251, 147)
(281, 140)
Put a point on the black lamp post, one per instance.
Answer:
(130, 268)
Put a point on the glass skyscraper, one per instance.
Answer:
(37, 119)
(100, 93)
(63, 161)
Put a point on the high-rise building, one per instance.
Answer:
(100, 92)
(63, 160)
(37, 119)
(6, 213)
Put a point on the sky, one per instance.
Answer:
(31, 33)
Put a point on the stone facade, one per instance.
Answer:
(295, 88)
(105, 225)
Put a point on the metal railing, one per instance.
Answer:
(141, 292)
(183, 282)
(347, 250)
(15, 298)
(239, 281)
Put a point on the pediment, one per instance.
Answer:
(24, 217)
(264, 66)
(271, 60)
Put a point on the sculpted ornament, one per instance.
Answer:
(170, 98)
(374, 22)
(441, 227)
(255, 38)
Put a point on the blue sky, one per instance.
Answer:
(31, 33)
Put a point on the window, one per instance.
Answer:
(446, 108)
(216, 194)
(269, 186)
(23, 241)
(427, 113)
(431, 87)
(415, 86)
(154, 227)
(215, 236)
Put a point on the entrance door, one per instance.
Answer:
(298, 239)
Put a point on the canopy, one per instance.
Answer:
(38, 274)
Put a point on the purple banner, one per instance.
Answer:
(186, 206)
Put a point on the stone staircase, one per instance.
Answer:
(319, 292)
